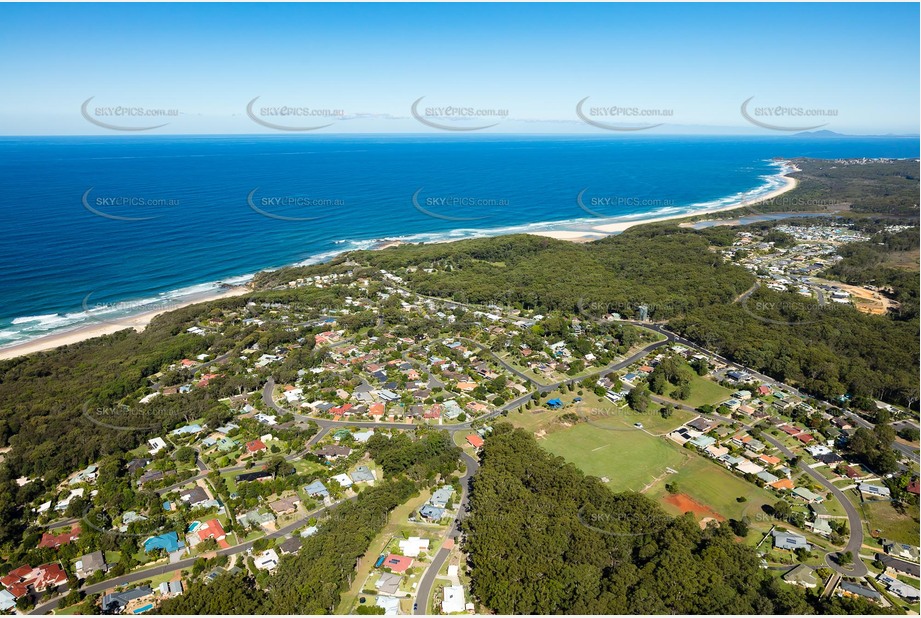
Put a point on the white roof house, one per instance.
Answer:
(413, 546)
(343, 480)
(267, 560)
(453, 600)
(156, 445)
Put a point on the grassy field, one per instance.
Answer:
(603, 413)
(629, 458)
(600, 412)
(892, 524)
(715, 487)
(704, 391)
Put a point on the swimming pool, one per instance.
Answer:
(143, 609)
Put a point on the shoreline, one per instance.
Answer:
(88, 331)
(141, 320)
(600, 231)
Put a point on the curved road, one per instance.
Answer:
(855, 524)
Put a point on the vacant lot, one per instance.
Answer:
(892, 524)
(601, 412)
(705, 391)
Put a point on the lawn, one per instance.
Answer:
(714, 486)
(628, 457)
(704, 391)
(892, 524)
(601, 412)
(597, 411)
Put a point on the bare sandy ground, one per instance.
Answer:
(137, 322)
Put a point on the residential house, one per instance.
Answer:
(431, 513)
(21, 580)
(876, 492)
(413, 546)
(284, 506)
(91, 563)
(475, 441)
(790, 540)
(388, 584)
(362, 474)
(194, 497)
(115, 602)
(290, 546)
(801, 575)
(168, 541)
(848, 589)
(442, 496)
(317, 490)
(267, 560)
(255, 446)
(397, 563)
(453, 600)
(808, 496)
(331, 452)
(53, 541)
(343, 480)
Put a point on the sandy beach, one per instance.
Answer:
(137, 322)
(599, 231)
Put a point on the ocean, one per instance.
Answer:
(97, 228)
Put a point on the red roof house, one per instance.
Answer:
(377, 409)
(474, 440)
(212, 529)
(397, 563)
(39, 579)
(255, 446)
(53, 541)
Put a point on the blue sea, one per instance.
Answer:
(96, 228)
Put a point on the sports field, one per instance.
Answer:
(629, 458)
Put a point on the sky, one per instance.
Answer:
(90, 69)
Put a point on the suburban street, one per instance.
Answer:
(427, 582)
(138, 576)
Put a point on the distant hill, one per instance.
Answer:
(825, 133)
(822, 133)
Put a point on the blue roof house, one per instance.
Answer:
(168, 541)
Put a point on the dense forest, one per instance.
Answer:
(667, 269)
(543, 538)
(827, 351)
